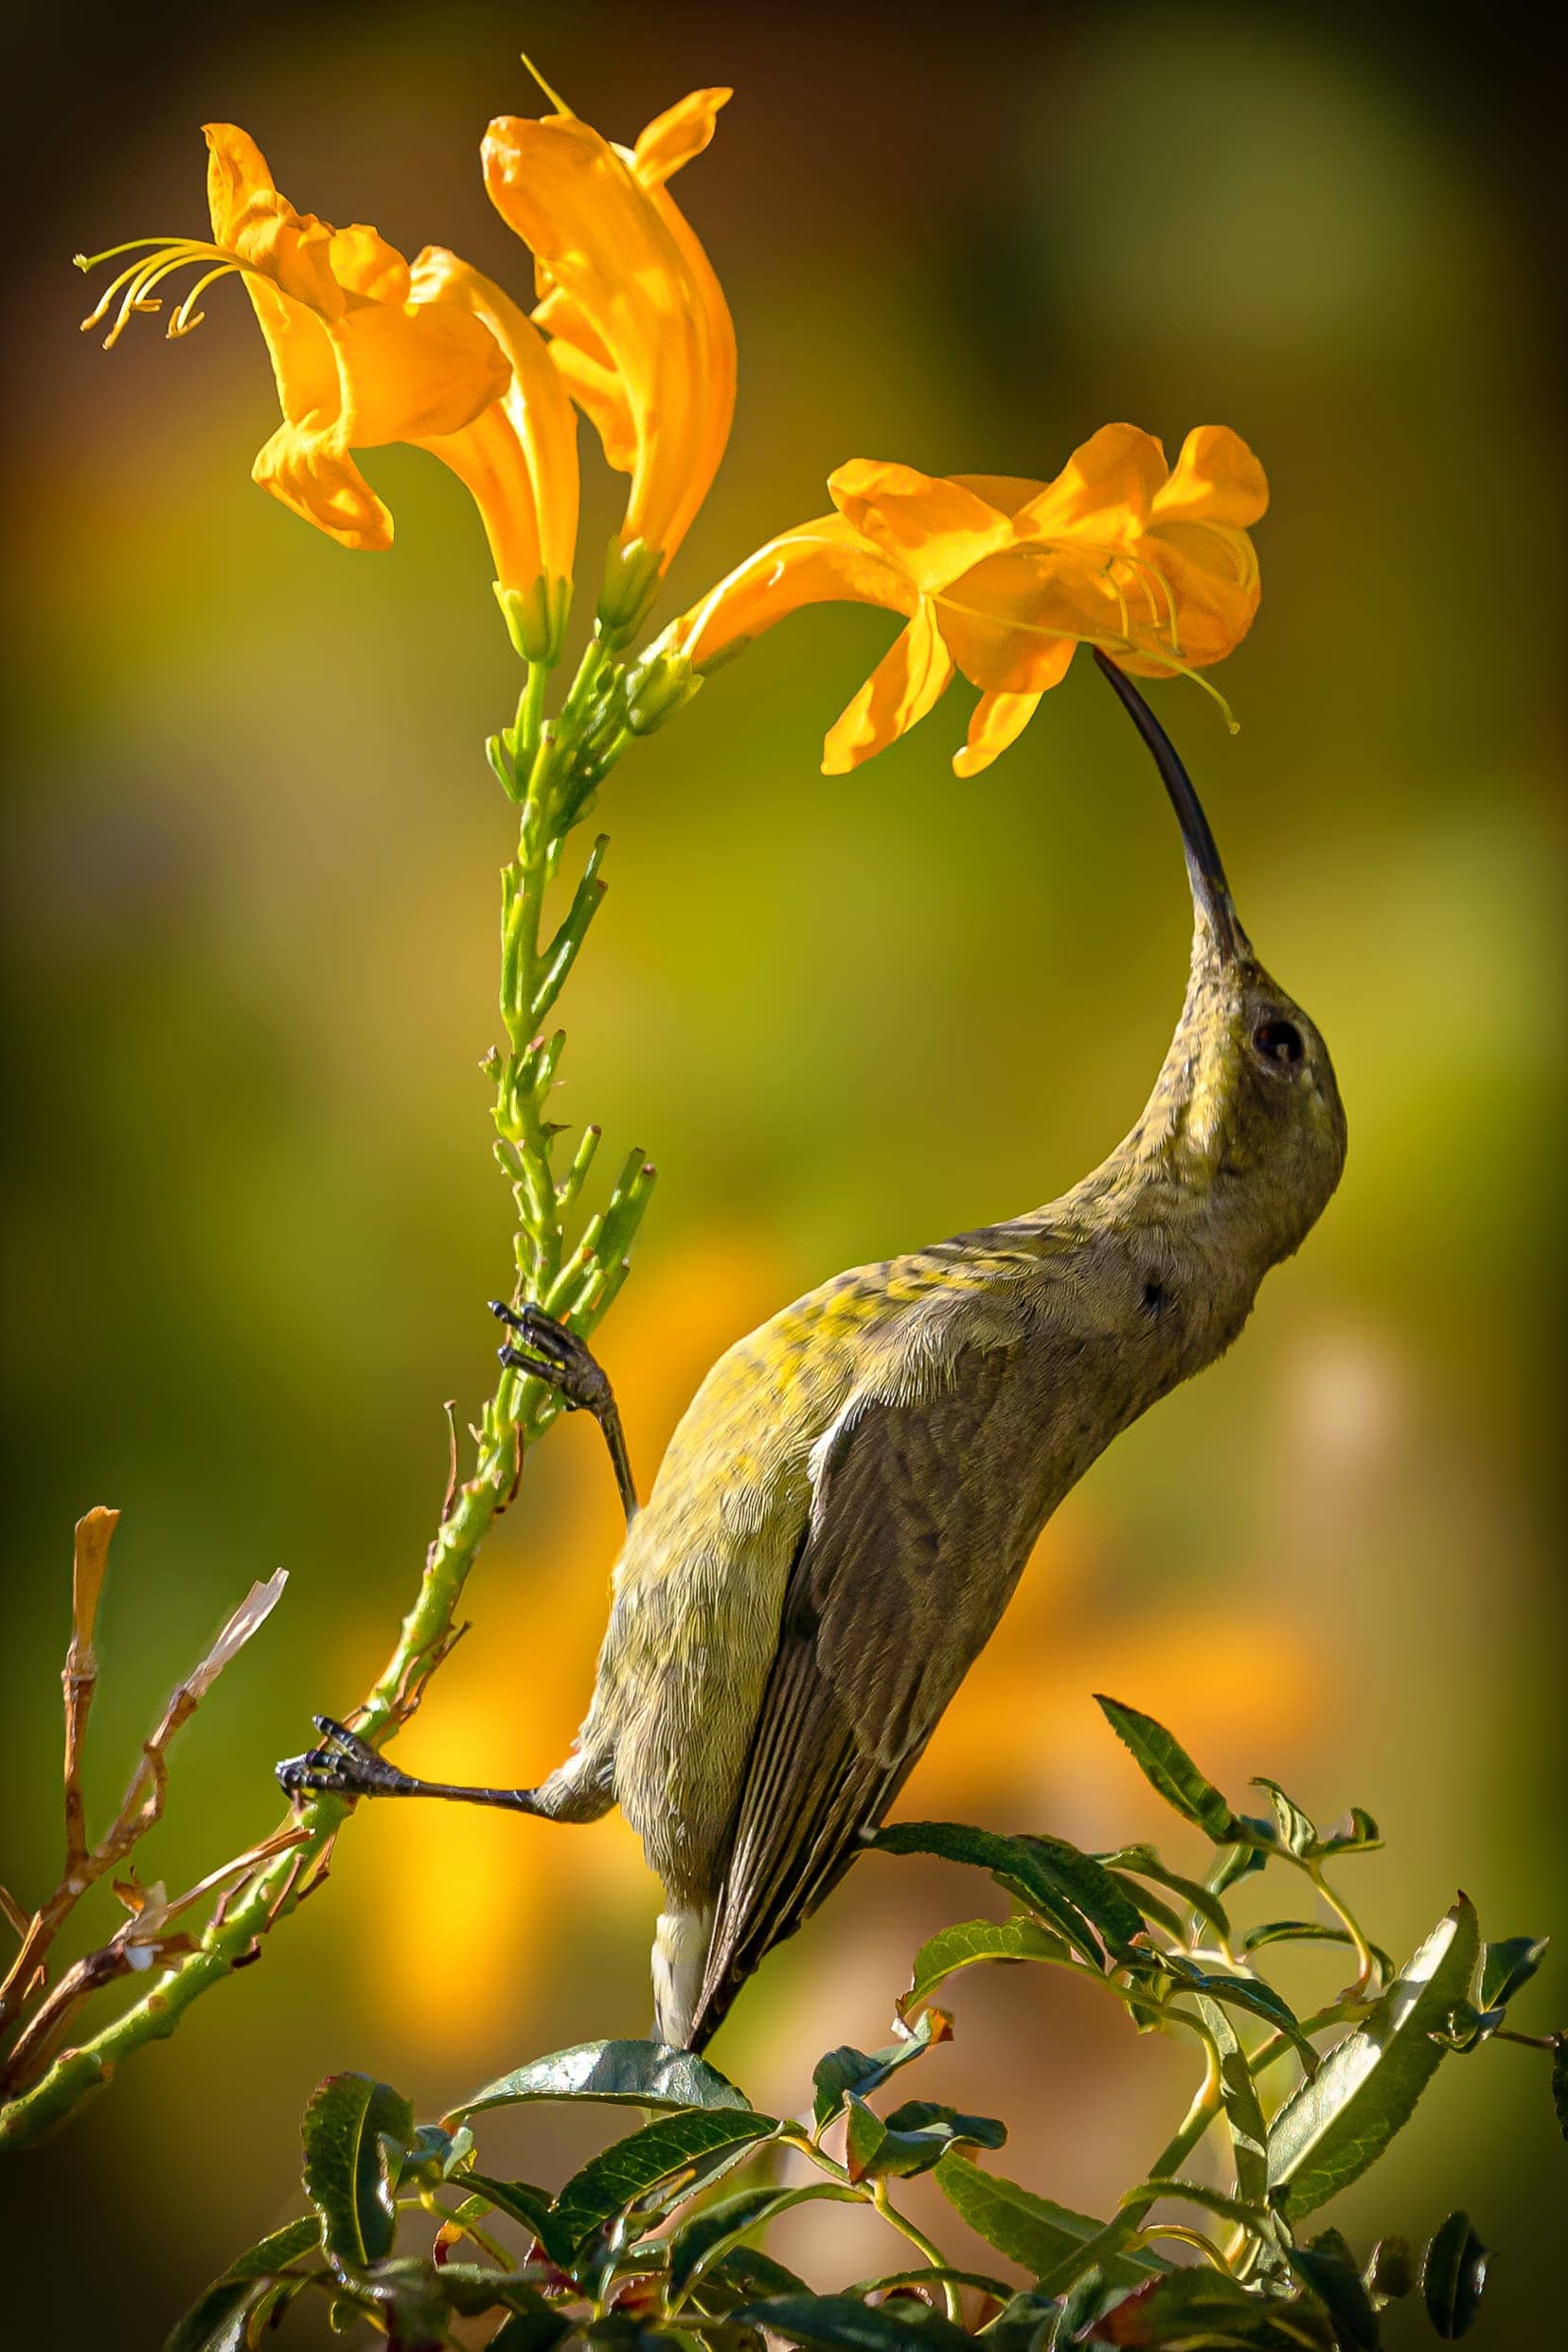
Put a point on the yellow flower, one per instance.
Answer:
(1004, 578)
(366, 350)
(639, 327)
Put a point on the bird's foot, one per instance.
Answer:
(555, 1355)
(344, 1765)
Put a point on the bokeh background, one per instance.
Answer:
(251, 892)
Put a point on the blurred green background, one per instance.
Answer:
(251, 884)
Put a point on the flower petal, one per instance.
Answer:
(1013, 621)
(934, 528)
(1105, 489)
(363, 263)
(901, 691)
(519, 457)
(623, 256)
(823, 561)
(998, 719)
(1216, 479)
(251, 220)
(412, 371)
(313, 473)
(675, 137)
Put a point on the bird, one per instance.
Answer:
(848, 1503)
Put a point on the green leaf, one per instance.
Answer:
(1076, 1892)
(355, 2134)
(953, 1948)
(847, 2069)
(1029, 2230)
(843, 2320)
(628, 2073)
(532, 2331)
(932, 2275)
(1390, 2272)
(912, 2140)
(1332, 2279)
(1298, 1832)
(1506, 1967)
(1249, 2132)
(1241, 1992)
(230, 2295)
(688, 2141)
(744, 2274)
(1361, 1835)
(1166, 1766)
(1207, 2307)
(531, 2208)
(1257, 1840)
(696, 2242)
(1365, 2090)
(1194, 2193)
(1308, 1932)
(1453, 2272)
(1144, 1861)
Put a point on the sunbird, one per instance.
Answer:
(851, 1495)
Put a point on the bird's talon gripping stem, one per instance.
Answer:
(344, 1765)
(556, 1356)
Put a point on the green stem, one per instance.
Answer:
(516, 1415)
(952, 2302)
(1118, 2235)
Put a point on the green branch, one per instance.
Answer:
(549, 769)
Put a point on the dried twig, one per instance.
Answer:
(142, 1805)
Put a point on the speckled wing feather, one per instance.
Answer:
(919, 1525)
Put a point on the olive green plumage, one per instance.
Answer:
(853, 1492)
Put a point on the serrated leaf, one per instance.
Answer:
(694, 2243)
(1453, 2272)
(1077, 1894)
(1297, 1829)
(1248, 1855)
(1167, 1768)
(847, 2069)
(746, 2273)
(1361, 1835)
(1029, 2230)
(355, 2133)
(203, 2327)
(1244, 2119)
(1197, 2193)
(1241, 1992)
(932, 2275)
(912, 2140)
(1027, 2323)
(532, 2331)
(1332, 2277)
(1205, 2307)
(532, 2208)
(842, 2320)
(1506, 1967)
(1309, 1931)
(1146, 1864)
(1365, 2090)
(626, 2074)
(953, 1948)
(691, 2141)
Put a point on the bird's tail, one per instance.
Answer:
(680, 1956)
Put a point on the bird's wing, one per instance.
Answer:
(914, 1539)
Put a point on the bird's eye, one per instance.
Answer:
(1279, 1041)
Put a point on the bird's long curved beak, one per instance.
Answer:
(1210, 890)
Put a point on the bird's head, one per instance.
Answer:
(1247, 1096)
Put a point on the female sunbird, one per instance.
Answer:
(851, 1498)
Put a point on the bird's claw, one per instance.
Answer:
(555, 1355)
(344, 1765)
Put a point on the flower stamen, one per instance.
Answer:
(158, 257)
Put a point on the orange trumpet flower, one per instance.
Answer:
(639, 327)
(368, 350)
(1003, 579)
